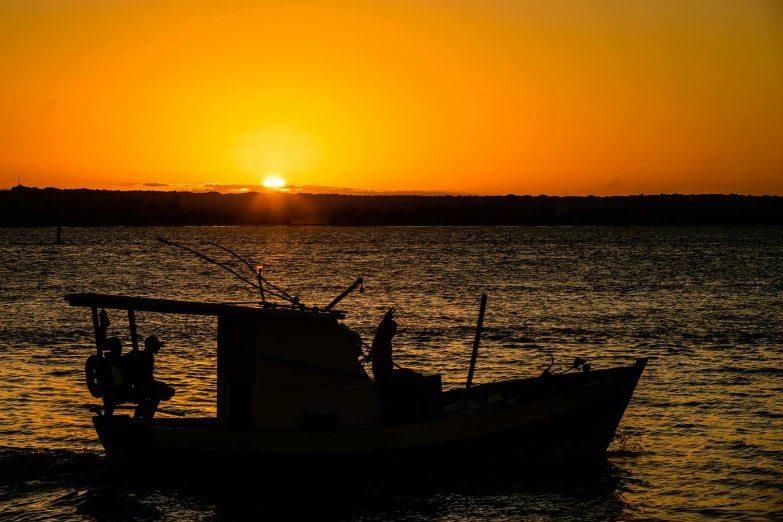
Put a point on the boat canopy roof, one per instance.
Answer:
(170, 306)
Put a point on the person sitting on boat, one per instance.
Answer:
(149, 391)
(130, 368)
(114, 388)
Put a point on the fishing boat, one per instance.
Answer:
(293, 396)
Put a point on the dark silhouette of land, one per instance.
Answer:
(23, 206)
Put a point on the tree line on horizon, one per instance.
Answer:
(24, 206)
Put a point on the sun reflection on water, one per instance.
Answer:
(701, 433)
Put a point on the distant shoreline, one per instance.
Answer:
(33, 207)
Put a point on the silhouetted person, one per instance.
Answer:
(400, 388)
(150, 392)
(131, 363)
(109, 372)
(392, 387)
(381, 353)
(116, 388)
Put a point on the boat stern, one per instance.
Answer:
(123, 437)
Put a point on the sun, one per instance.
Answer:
(274, 182)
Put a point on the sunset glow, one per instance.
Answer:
(274, 182)
(476, 97)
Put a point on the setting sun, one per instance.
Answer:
(274, 182)
(469, 97)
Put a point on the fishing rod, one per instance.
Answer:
(258, 270)
(277, 291)
(221, 265)
(294, 301)
(208, 259)
(359, 282)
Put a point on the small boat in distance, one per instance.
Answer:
(294, 400)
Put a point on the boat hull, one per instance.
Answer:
(567, 418)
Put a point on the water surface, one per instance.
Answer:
(700, 439)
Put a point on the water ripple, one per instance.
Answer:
(700, 439)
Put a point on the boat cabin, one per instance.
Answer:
(278, 368)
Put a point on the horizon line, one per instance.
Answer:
(370, 192)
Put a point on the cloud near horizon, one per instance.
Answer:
(228, 188)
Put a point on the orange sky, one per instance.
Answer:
(471, 96)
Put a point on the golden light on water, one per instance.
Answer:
(274, 182)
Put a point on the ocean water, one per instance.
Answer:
(702, 437)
